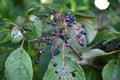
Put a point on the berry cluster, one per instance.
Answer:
(62, 23)
(58, 16)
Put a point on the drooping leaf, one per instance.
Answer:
(88, 54)
(85, 13)
(18, 65)
(105, 35)
(64, 69)
(35, 28)
(112, 70)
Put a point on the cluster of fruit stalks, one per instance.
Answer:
(61, 23)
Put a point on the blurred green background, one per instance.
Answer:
(11, 9)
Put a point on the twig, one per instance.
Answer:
(77, 53)
(13, 24)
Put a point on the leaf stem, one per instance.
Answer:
(33, 8)
(22, 43)
(77, 53)
(13, 24)
(63, 54)
(74, 50)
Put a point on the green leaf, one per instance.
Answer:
(5, 50)
(3, 56)
(112, 70)
(105, 35)
(5, 35)
(74, 41)
(91, 26)
(44, 61)
(35, 28)
(88, 54)
(66, 69)
(82, 5)
(117, 27)
(38, 27)
(20, 21)
(85, 13)
(92, 74)
(18, 65)
(113, 17)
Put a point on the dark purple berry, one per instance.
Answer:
(61, 35)
(51, 11)
(49, 42)
(68, 45)
(74, 19)
(53, 56)
(43, 39)
(81, 43)
(55, 64)
(58, 50)
(71, 16)
(43, 49)
(71, 21)
(48, 22)
(47, 38)
(82, 39)
(36, 61)
(40, 51)
(37, 18)
(46, 14)
(83, 32)
(67, 19)
(75, 22)
(36, 47)
(67, 37)
(53, 23)
(55, 18)
(55, 11)
(55, 30)
(80, 53)
(83, 25)
(69, 24)
(78, 35)
(66, 13)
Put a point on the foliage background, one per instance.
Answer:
(107, 38)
